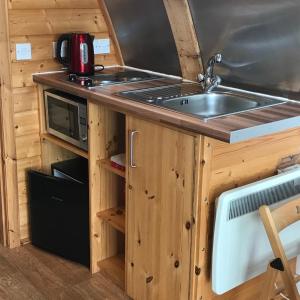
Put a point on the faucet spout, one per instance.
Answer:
(209, 80)
(216, 59)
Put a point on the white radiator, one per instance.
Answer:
(241, 248)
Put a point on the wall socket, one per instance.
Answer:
(23, 51)
(101, 46)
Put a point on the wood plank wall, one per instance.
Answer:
(9, 197)
(40, 23)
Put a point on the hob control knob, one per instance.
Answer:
(88, 82)
(72, 77)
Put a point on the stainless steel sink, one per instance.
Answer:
(210, 105)
(188, 99)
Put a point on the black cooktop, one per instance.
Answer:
(102, 79)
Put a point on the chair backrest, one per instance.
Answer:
(274, 222)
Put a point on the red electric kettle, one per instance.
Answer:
(79, 57)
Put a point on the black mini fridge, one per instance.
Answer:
(59, 210)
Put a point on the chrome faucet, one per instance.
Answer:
(209, 80)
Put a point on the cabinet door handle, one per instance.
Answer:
(131, 154)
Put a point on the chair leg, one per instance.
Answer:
(270, 279)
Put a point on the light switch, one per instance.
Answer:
(102, 46)
(23, 51)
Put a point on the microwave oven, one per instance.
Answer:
(66, 117)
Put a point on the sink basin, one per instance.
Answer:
(210, 105)
(188, 98)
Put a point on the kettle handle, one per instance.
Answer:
(61, 39)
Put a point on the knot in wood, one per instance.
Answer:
(197, 270)
(188, 225)
(149, 279)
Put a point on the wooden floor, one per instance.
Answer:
(29, 273)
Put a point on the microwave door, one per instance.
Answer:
(62, 119)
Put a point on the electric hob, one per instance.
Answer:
(108, 78)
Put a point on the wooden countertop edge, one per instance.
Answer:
(264, 129)
(168, 117)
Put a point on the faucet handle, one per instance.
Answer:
(201, 77)
(218, 58)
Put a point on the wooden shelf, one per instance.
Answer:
(106, 164)
(65, 145)
(114, 267)
(115, 217)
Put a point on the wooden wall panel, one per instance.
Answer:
(30, 4)
(24, 164)
(23, 71)
(55, 21)
(25, 99)
(9, 217)
(40, 23)
(28, 146)
(26, 123)
(24, 223)
(22, 192)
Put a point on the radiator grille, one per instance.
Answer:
(252, 202)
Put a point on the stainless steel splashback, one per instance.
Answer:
(144, 34)
(259, 40)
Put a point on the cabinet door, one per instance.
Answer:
(160, 184)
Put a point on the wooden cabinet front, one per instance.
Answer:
(159, 220)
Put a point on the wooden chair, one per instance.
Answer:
(274, 222)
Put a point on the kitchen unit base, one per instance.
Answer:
(156, 241)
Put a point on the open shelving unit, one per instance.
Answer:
(106, 184)
(61, 143)
(53, 149)
(115, 217)
(107, 192)
(106, 164)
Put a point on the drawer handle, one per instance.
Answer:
(131, 154)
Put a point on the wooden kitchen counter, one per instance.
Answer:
(233, 128)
